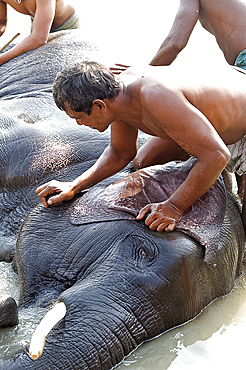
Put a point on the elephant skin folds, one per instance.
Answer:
(121, 282)
(37, 141)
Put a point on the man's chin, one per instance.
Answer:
(101, 129)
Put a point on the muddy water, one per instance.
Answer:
(12, 339)
(214, 339)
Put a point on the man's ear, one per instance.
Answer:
(99, 104)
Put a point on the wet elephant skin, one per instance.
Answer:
(38, 142)
(121, 282)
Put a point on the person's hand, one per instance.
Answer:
(63, 190)
(162, 216)
(118, 68)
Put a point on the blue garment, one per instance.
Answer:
(241, 60)
(237, 162)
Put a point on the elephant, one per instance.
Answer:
(117, 282)
(38, 141)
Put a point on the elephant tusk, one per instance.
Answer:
(51, 318)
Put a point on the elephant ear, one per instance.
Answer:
(123, 200)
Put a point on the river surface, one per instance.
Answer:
(130, 32)
(215, 339)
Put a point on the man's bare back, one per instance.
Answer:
(225, 19)
(221, 100)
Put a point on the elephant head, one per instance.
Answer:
(118, 282)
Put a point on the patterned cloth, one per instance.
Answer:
(241, 60)
(70, 24)
(237, 162)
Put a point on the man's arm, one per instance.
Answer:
(185, 20)
(3, 17)
(186, 125)
(121, 150)
(43, 18)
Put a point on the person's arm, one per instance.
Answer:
(186, 125)
(120, 151)
(43, 18)
(3, 17)
(185, 20)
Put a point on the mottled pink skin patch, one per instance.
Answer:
(124, 199)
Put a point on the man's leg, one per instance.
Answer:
(158, 151)
(244, 210)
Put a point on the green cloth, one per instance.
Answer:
(70, 24)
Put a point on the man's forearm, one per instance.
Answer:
(165, 55)
(198, 182)
(24, 46)
(184, 22)
(109, 163)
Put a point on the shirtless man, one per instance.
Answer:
(48, 16)
(225, 19)
(198, 113)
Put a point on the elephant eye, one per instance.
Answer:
(144, 251)
(143, 254)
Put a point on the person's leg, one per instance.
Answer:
(227, 178)
(158, 151)
(244, 210)
(240, 185)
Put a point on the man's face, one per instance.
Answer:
(96, 119)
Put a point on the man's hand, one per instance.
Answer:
(118, 68)
(64, 189)
(163, 216)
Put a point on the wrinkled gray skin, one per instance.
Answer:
(122, 283)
